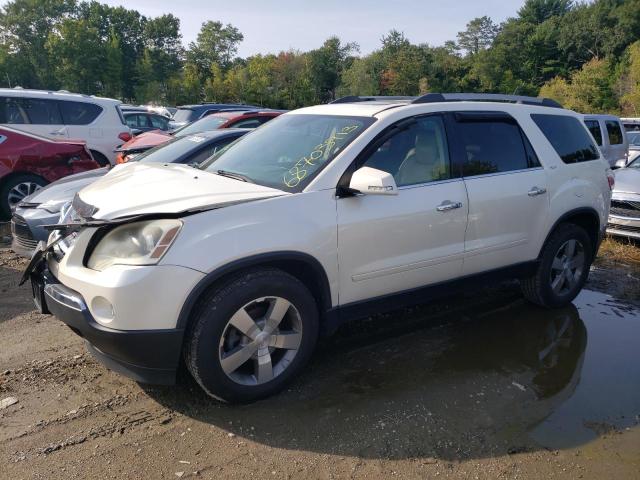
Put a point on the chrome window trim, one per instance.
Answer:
(503, 173)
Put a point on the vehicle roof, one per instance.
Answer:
(60, 94)
(214, 105)
(374, 108)
(247, 113)
(603, 116)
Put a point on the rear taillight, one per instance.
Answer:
(125, 136)
(612, 180)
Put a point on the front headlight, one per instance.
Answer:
(139, 243)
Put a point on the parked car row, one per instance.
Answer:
(323, 214)
(44, 207)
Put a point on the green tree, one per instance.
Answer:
(629, 81)
(326, 65)
(216, 44)
(538, 11)
(479, 35)
(112, 78)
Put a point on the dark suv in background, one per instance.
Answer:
(189, 113)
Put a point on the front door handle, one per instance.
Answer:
(535, 191)
(448, 205)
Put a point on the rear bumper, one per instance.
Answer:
(148, 356)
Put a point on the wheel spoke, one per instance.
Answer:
(243, 322)
(570, 249)
(265, 367)
(287, 341)
(277, 310)
(577, 261)
(557, 264)
(235, 360)
(557, 283)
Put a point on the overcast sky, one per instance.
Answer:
(271, 26)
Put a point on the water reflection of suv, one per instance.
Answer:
(323, 214)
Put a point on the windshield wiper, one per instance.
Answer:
(234, 175)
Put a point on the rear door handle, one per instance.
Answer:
(535, 191)
(448, 205)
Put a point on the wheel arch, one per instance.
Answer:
(585, 217)
(303, 266)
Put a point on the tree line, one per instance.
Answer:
(586, 55)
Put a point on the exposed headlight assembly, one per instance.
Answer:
(139, 243)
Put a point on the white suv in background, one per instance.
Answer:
(325, 213)
(59, 115)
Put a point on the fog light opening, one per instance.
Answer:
(102, 310)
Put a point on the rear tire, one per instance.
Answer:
(251, 335)
(563, 268)
(15, 189)
(100, 158)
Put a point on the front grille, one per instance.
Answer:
(624, 228)
(625, 208)
(22, 233)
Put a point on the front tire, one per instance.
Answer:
(563, 268)
(251, 335)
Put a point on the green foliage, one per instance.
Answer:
(584, 54)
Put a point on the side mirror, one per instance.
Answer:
(370, 181)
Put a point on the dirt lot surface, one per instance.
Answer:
(484, 386)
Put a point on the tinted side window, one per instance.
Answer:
(79, 113)
(247, 123)
(159, 122)
(34, 111)
(594, 128)
(492, 145)
(568, 137)
(614, 132)
(417, 153)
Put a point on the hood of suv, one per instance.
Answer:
(139, 188)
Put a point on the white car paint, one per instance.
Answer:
(101, 135)
(368, 245)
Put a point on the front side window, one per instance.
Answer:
(491, 143)
(289, 151)
(568, 137)
(34, 111)
(614, 132)
(79, 113)
(247, 123)
(594, 128)
(634, 138)
(159, 122)
(136, 121)
(417, 153)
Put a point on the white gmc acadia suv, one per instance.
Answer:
(323, 214)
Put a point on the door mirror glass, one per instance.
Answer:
(371, 181)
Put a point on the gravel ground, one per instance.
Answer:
(483, 386)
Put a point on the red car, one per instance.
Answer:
(228, 119)
(29, 162)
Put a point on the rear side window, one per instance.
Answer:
(34, 111)
(614, 132)
(79, 113)
(568, 137)
(594, 128)
(159, 122)
(492, 143)
(247, 123)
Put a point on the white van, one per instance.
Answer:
(59, 115)
(609, 134)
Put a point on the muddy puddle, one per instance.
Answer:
(483, 380)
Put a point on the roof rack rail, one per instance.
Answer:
(370, 98)
(486, 97)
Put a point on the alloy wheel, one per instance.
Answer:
(260, 340)
(20, 191)
(567, 267)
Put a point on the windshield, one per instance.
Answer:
(170, 151)
(634, 138)
(184, 115)
(289, 151)
(207, 123)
